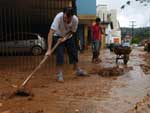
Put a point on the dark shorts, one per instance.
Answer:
(71, 50)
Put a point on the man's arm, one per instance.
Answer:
(92, 32)
(49, 41)
(101, 30)
(69, 34)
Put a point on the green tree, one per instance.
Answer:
(135, 40)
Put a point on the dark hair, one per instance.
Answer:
(98, 19)
(69, 11)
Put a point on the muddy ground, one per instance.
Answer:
(76, 94)
(143, 106)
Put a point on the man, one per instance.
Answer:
(96, 40)
(64, 24)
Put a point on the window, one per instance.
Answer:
(32, 37)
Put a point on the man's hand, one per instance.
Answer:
(48, 53)
(61, 40)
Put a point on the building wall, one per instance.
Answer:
(83, 8)
(86, 16)
(109, 16)
(30, 15)
(113, 18)
(116, 32)
(102, 12)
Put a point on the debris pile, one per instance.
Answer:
(23, 92)
(106, 72)
(147, 58)
(141, 107)
(146, 68)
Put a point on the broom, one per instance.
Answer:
(21, 90)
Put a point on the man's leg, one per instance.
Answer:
(99, 48)
(94, 51)
(97, 51)
(73, 56)
(59, 60)
(72, 50)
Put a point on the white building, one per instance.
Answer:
(112, 35)
(101, 12)
(116, 31)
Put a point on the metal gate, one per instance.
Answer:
(24, 25)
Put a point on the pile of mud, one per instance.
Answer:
(147, 58)
(146, 68)
(24, 92)
(110, 71)
(141, 107)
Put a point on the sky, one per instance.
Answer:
(134, 12)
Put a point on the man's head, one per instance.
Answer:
(68, 13)
(98, 20)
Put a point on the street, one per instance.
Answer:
(126, 92)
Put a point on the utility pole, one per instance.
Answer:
(132, 25)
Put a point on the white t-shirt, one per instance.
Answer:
(61, 28)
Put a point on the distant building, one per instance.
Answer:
(111, 25)
(116, 31)
(102, 12)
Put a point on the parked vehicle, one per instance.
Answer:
(126, 44)
(22, 42)
(134, 45)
